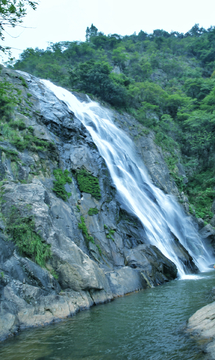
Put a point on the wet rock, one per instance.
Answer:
(82, 157)
(8, 324)
(184, 257)
(208, 234)
(153, 265)
(201, 223)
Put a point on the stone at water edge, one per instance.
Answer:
(202, 326)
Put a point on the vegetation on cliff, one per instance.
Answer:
(62, 177)
(21, 229)
(88, 183)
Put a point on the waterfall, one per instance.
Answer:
(162, 217)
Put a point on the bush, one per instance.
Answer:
(93, 211)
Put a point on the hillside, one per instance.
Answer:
(165, 80)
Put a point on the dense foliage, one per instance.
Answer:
(166, 80)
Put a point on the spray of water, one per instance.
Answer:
(159, 213)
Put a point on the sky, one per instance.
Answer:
(67, 20)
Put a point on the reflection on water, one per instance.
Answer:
(145, 325)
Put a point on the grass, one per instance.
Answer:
(22, 137)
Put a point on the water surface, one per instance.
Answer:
(147, 325)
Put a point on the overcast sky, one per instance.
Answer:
(62, 20)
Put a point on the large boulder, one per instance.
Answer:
(125, 280)
(75, 269)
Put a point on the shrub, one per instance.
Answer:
(93, 211)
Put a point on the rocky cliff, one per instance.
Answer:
(66, 242)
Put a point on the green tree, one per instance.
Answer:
(94, 77)
(91, 32)
(12, 13)
(119, 57)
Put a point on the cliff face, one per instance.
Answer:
(66, 242)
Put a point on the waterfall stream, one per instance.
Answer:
(162, 217)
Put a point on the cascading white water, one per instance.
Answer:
(160, 214)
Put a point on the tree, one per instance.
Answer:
(94, 77)
(91, 32)
(12, 13)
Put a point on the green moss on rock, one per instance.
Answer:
(59, 185)
(88, 183)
